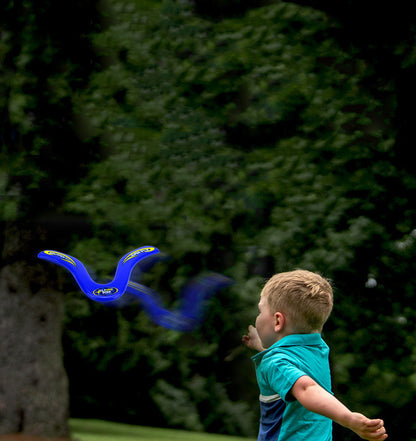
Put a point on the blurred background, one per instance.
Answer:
(246, 137)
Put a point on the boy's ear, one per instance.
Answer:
(279, 321)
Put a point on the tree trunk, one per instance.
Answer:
(33, 382)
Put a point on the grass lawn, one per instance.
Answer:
(96, 430)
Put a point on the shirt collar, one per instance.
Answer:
(299, 339)
(293, 340)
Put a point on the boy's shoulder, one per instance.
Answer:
(296, 355)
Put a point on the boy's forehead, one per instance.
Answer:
(264, 292)
(263, 297)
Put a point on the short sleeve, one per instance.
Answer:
(282, 374)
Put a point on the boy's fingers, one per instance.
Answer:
(375, 424)
(380, 432)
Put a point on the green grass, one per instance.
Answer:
(96, 430)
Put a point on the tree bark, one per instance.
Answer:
(33, 382)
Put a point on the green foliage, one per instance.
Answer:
(177, 405)
(41, 63)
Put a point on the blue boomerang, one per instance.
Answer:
(193, 297)
(102, 293)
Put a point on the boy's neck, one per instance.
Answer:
(285, 333)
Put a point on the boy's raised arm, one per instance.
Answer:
(316, 399)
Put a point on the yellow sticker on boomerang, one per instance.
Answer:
(61, 256)
(105, 291)
(137, 252)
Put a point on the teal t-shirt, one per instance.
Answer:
(277, 369)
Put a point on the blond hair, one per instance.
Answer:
(305, 297)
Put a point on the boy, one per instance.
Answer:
(292, 366)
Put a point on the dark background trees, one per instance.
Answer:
(246, 138)
(45, 54)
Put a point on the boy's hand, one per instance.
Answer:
(252, 339)
(366, 428)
